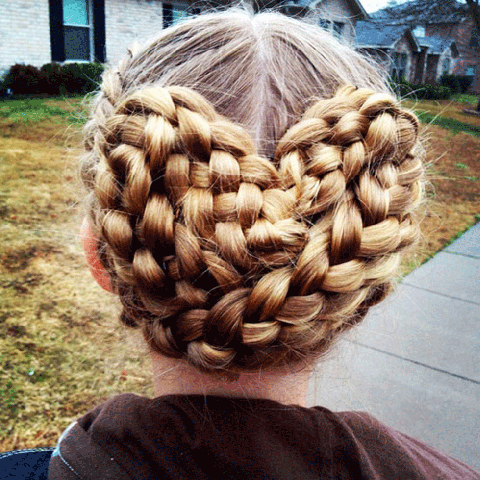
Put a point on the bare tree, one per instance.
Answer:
(474, 10)
(413, 11)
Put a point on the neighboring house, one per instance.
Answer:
(451, 22)
(392, 46)
(405, 55)
(465, 35)
(337, 16)
(37, 32)
(437, 58)
(340, 17)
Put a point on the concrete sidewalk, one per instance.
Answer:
(415, 361)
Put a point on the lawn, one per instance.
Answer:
(448, 114)
(62, 348)
(467, 99)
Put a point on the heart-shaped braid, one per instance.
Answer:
(232, 261)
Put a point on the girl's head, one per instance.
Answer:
(252, 183)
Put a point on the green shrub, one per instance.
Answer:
(422, 92)
(470, 100)
(81, 77)
(23, 80)
(457, 83)
(52, 79)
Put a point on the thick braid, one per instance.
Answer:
(230, 262)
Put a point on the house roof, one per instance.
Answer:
(437, 45)
(301, 7)
(357, 8)
(376, 35)
(420, 12)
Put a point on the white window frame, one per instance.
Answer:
(90, 35)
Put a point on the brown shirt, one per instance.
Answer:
(197, 437)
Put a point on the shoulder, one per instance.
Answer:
(391, 451)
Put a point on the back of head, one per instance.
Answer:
(253, 183)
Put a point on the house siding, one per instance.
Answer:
(25, 29)
(127, 22)
(461, 33)
(444, 30)
(24, 33)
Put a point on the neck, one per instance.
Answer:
(174, 377)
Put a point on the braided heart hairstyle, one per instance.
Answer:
(241, 229)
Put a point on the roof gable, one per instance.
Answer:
(437, 45)
(356, 7)
(372, 34)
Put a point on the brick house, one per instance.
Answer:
(451, 22)
(405, 55)
(37, 32)
(394, 47)
(466, 37)
(337, 16)
(437, 57)
(42, 31)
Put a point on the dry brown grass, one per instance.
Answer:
(62, 348)
(453, 192)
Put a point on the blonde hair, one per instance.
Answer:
(241, 229)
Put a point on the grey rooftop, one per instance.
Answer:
(370, 34)
(436, 45)
(414, 362)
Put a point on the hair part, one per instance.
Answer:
(260, 71)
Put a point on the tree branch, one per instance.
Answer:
(474, 9)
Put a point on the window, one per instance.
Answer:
(77, 29)
(336, 28)
(399, 65)
(173, 14)
(325, 24)
(471, 70)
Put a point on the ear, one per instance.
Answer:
(89, 244)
